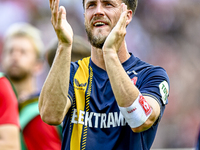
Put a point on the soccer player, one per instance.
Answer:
(111, 100)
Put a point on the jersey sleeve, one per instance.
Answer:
(9, 113)
(155, 83)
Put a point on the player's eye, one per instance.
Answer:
(90, 5)
(108, 4)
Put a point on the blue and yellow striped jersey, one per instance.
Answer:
(94, 121)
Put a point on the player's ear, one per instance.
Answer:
(129, 16)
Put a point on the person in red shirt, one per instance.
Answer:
(9, 116)
(21, 61)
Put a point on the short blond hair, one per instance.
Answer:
(26, 30)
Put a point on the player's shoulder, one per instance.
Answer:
(149, 69)
(157, 70)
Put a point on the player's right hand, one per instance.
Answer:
(59, 21)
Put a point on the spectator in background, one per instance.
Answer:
(21, 61)
(9, 116)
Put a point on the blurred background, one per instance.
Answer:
(163, 32)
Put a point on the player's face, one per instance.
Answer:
(100, 18)
(19, 58)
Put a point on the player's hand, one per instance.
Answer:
(117, 35)
(61, 26)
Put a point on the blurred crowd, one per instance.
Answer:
(163, 32)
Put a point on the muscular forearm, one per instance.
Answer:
(53, 99)
(125, 92)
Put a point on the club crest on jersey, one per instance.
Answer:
(134, 80)
(164, 91)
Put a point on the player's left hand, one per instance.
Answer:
(116, 36)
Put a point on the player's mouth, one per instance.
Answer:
(99, 24)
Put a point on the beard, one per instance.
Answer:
(17, 75)
(96, 41)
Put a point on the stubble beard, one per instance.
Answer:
(96, 41)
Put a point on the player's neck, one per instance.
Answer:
(97, 56)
